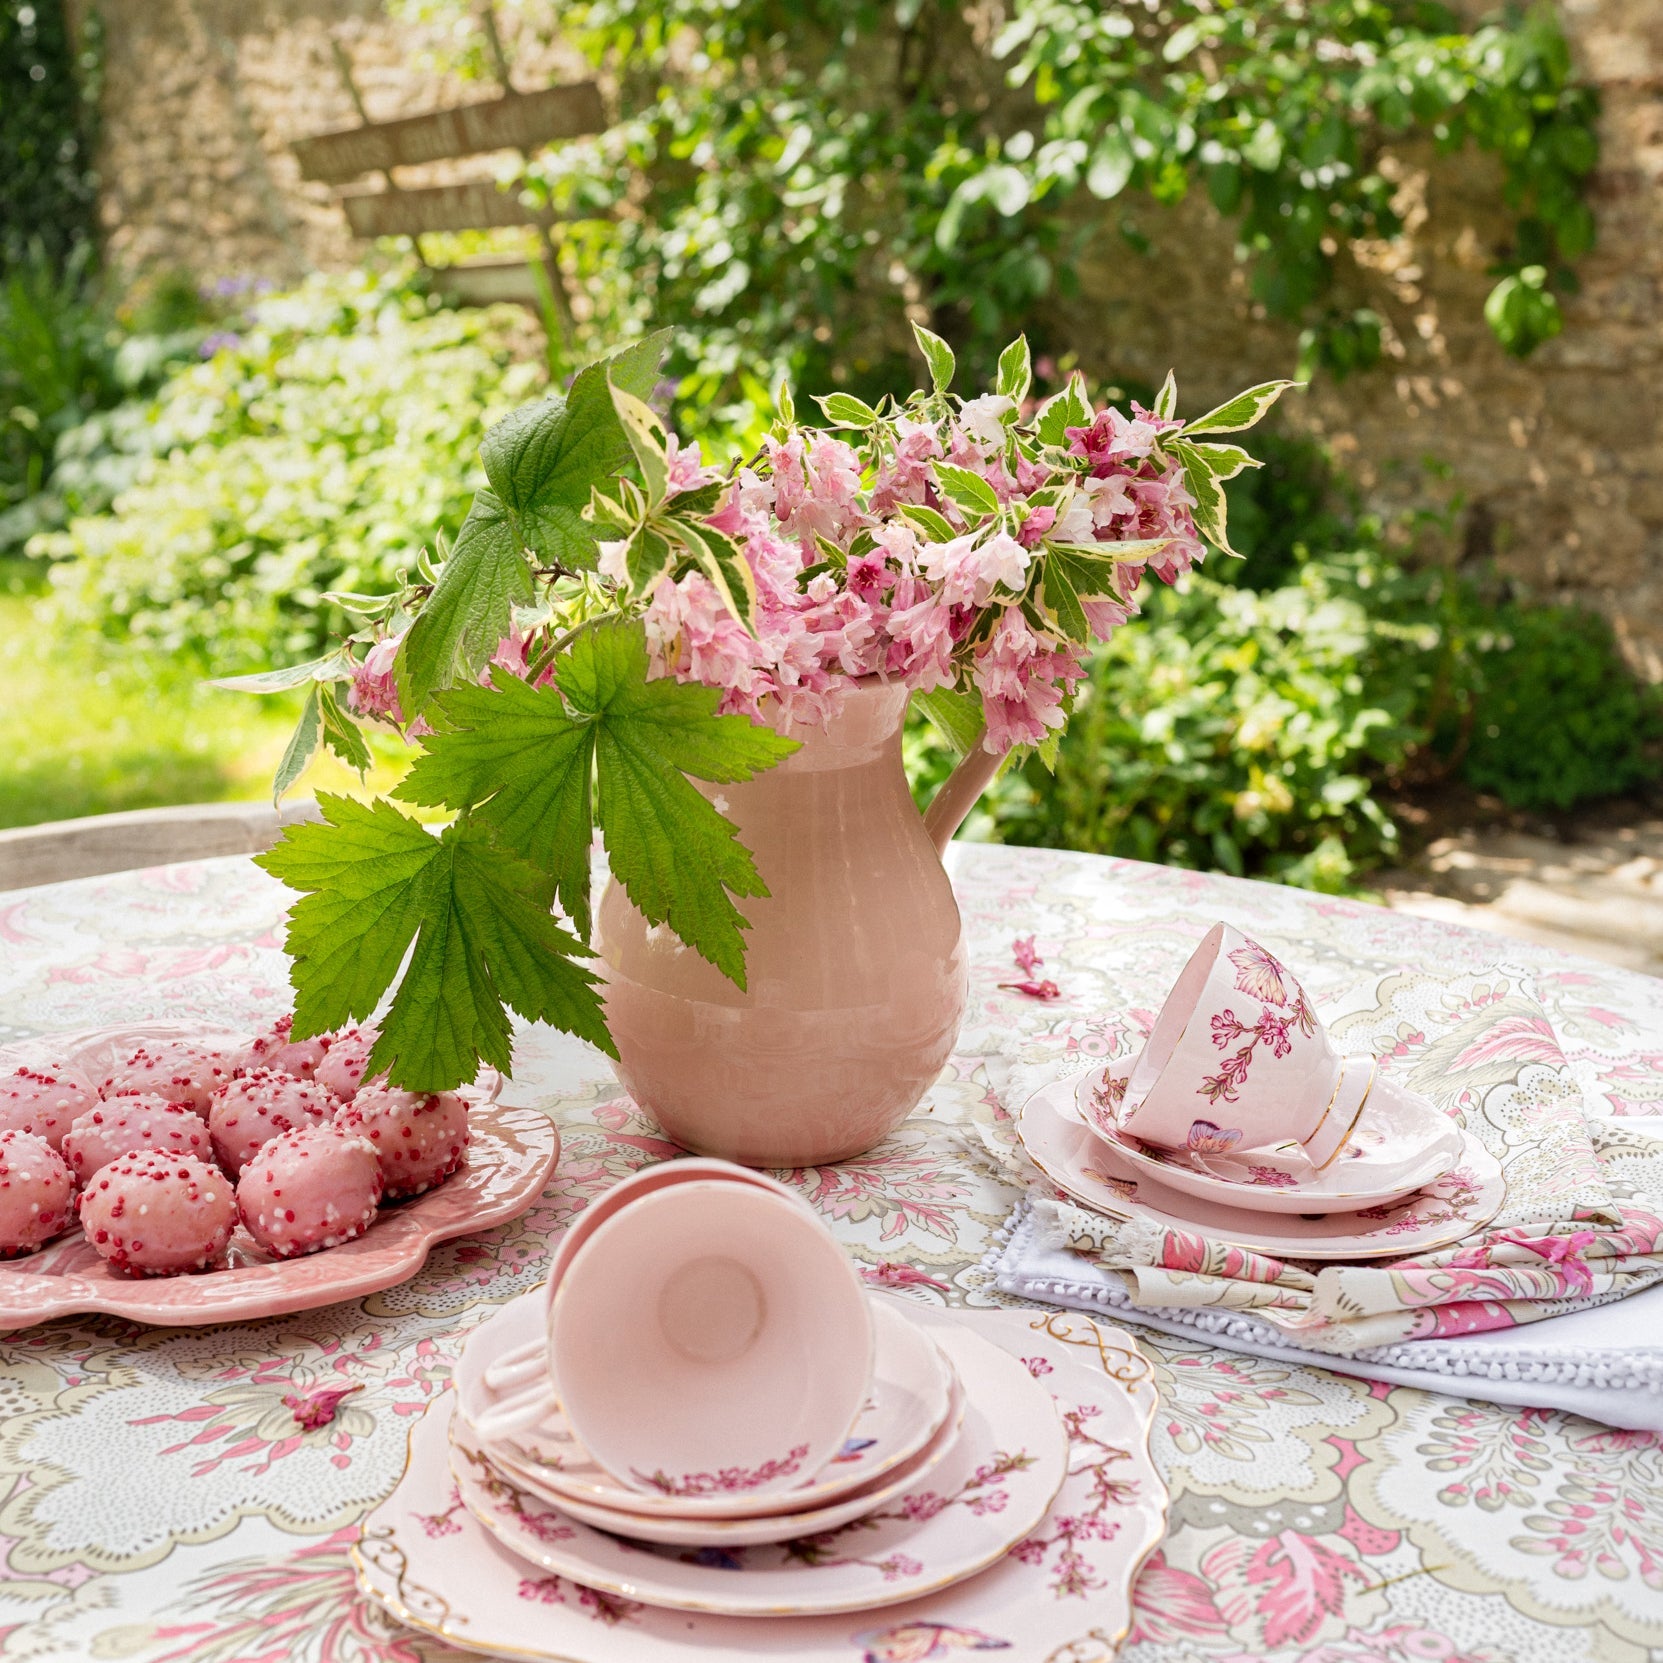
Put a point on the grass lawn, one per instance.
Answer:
(90, 730)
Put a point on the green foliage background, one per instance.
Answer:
(788, 193)
(790, 181)
(319, 448)
(49, 87)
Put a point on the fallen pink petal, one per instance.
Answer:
(317, 1409)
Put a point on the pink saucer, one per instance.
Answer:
(1088, 1170)
(910, 1399)
(1402, 1145)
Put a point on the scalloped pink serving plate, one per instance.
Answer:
(512, 1152)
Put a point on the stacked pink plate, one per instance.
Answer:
(666, 1433)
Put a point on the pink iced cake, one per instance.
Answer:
(342, 1069)
(308, 1190)
(420, 1138)
(37, 1193)
(258, 1106)
(157, 1214)
(43, 1099)
(275, 1048)
(124, 1125)
(173, 1069)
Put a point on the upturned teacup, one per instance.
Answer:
(711, 1337)
(1237, 1060)
(522, 1375)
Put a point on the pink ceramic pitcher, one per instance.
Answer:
(855, 962)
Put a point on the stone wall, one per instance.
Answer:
(1558, 460)
(202, 99)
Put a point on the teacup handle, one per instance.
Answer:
(517, 1413)
(516, 1367)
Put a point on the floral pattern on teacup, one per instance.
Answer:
(1260, 976)
(729, 1481)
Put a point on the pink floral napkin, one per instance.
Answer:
(1582, 1220)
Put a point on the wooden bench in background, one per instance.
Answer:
(64, 849)
(518, 121)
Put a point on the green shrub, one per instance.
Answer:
(317, 450)
(1258, 719)
(1234, 730)
(65, 356)
(1556, 718)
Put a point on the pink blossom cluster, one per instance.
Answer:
(847, 587)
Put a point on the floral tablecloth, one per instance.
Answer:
(159, 1498)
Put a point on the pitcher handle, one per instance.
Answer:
(958, 793)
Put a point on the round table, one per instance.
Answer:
(162, 1501)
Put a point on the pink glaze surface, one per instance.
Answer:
(855, 968)
(124, 1125)
(43, 1099)
(158, 1214)
(37, 1193)
(527, 1367)
(275, 1049)
(419, 1138)
(262, 1104)
(342, 1067)
(711, 1337)
(309, 1190)
(183, 1071)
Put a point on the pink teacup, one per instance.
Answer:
(526, 1366)
(711, 1338)
(1237, 1060)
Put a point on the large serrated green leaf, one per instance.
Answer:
(485, 941)
(513, 756)
(470, 609)
(364, 869)
(550, 452)
(678, 859)
(471, 916)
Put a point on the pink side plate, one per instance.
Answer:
(512, 1153)
(740, 1532)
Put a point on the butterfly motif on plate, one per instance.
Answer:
(1207, 1139)
(922, 1642)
